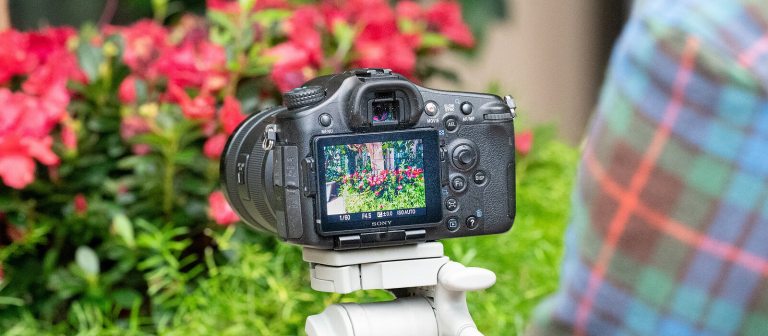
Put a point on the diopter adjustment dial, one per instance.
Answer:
(303, 96)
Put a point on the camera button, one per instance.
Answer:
(472, 222)
(451, 123)
(479, 177)
(466, 108)
(430, 108)
(325, 119)
(458, 183)
(452, 224)
(451, 203)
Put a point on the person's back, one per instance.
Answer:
(669, 227)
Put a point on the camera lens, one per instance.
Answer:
(246, 173)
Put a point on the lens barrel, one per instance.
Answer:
(246, 173)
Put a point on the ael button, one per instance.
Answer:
(451, 123)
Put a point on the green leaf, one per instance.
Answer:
(269, 17)
(89, 58)
(433, 40)
(87, 259)
(246, 5)
(122, 226)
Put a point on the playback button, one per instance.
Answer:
(452, 224)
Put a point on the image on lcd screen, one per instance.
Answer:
(375, 177)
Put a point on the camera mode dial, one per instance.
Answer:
(303, 96)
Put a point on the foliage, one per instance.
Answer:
(109, 148)
(385, 190)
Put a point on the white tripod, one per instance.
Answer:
(430, 290)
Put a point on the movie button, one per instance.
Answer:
(479, 177)
(466, 108)
(458, 183)
(451, 123)
(452, 224)
(325, 119)
(451, 203)
(430, 108)
(471, 222)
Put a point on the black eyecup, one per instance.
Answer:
(357, 109)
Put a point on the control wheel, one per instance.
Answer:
(464, 157)
(303, 96)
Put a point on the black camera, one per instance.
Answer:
(366, 158)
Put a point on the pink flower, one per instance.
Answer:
(409, 10)
(145, 41)
(446, 16)
(303, 29)
(127, 91)
(17, 171)
(198, 64)
(292, 65)
(199, 108)
(393, 52)
(214, 146)
(81, 204)
(219, 210)
(133, 125)
(524, 142)
(231, 114)
(68, 136)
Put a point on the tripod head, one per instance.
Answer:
(430, 291)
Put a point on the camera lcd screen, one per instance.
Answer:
(378, 180)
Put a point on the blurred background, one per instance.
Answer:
(115, 114)
(550, 55)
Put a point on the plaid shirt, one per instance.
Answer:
(669, 224)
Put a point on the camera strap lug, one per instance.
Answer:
(511, 104)
(270, 137)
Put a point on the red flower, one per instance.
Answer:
(133, 125)
(145, 42)
(214, 146)
(446, 16)
(17, 170)
(219, 210)
(409, 10)
(68, 136)
(394, 53)
(524, 142)
(303, 29)
(199, 64)
(127, 91)
(230, 114)
(81, 204)
(292, 65)
(14, 60)
(198, 108)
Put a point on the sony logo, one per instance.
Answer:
(381, 223)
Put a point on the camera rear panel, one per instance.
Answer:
(456, 149)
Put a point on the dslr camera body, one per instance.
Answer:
(365, 158)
